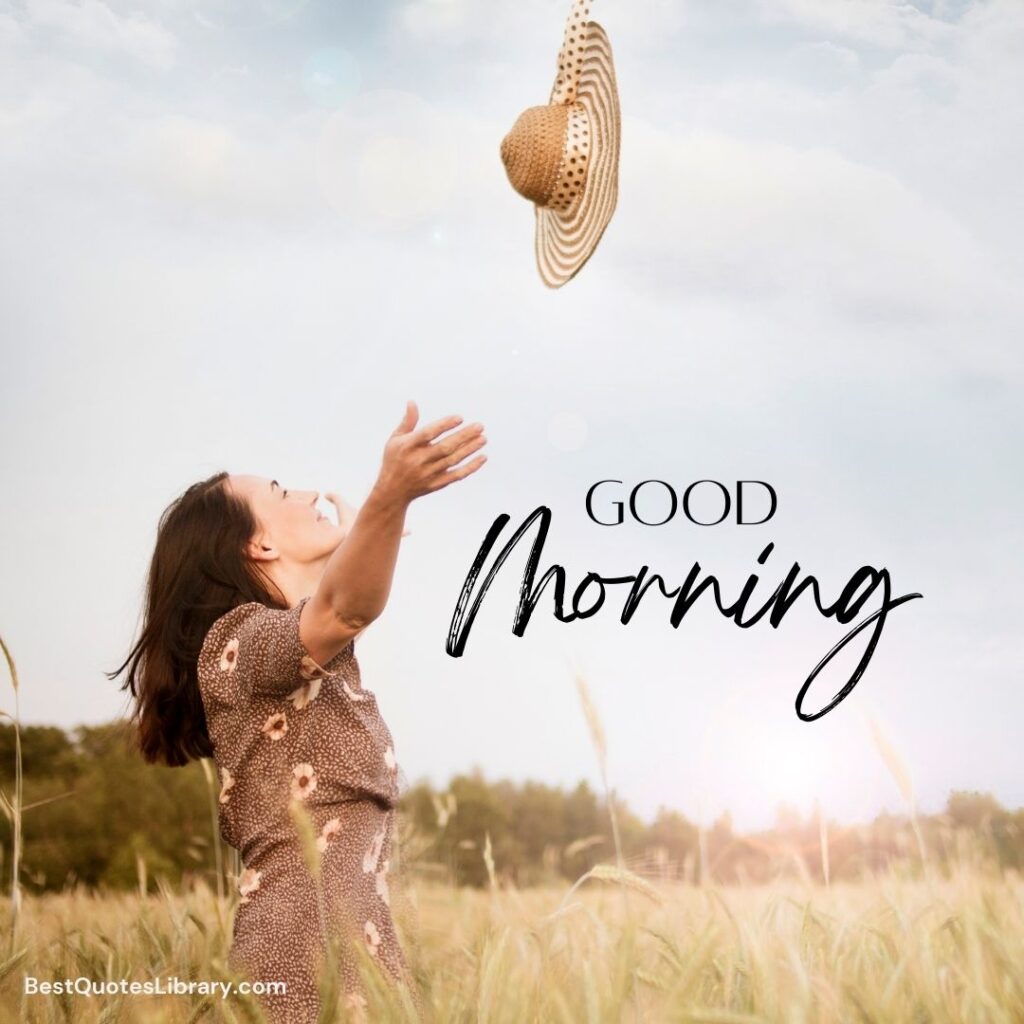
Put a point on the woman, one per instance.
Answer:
(247, 656)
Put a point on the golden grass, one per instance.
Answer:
(12, 806)
(895, 951)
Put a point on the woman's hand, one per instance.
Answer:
(418, 462)
(357, 579)
(346, 513)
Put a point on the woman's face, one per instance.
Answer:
(290, 524)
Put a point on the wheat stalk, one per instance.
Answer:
(898, 769)
(15, 804)
(597, 736)
(217, 856)
(488, 856)
(601, 747)
(822, 840)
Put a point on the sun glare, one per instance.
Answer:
(755, 757)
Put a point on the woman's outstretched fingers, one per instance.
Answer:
(427, 434)
(412, 461)
(471, 444)
(346, 512)
(449, 476)
(454, 443)
(409, 418)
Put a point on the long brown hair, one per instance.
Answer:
(199, 571)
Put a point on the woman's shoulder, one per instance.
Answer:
(261, 648)
(225, 626)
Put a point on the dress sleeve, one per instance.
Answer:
(256, 649)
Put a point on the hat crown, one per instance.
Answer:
(532, 151)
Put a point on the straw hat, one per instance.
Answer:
(564, 157)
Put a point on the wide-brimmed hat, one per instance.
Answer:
(564, 157)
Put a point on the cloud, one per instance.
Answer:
(708, 211)
(181, 162)
(388, 159)
(527, 24)
(825, 64)
(856, 197)
(93, 26)
(889, 24)
(10, 30)
(192, 158)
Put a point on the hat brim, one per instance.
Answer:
(565, 241)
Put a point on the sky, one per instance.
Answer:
(241, 235)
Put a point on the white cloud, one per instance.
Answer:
(755, 187)
(10, 30)
(193, 159)
(825, 63)
(184, 162)
(94, 26)
(709, 211)
(529, 23)
(889, 24)
(388, 159)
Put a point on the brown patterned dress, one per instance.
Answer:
(285, 728)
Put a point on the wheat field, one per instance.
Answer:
(616, 948)
(912, 945)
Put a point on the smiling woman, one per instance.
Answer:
(247, 655)
(290, 543)
(293, 532)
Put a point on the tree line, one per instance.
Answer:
(93, 813)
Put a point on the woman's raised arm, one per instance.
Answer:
(357, 581)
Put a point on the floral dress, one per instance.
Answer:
(285, 729)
